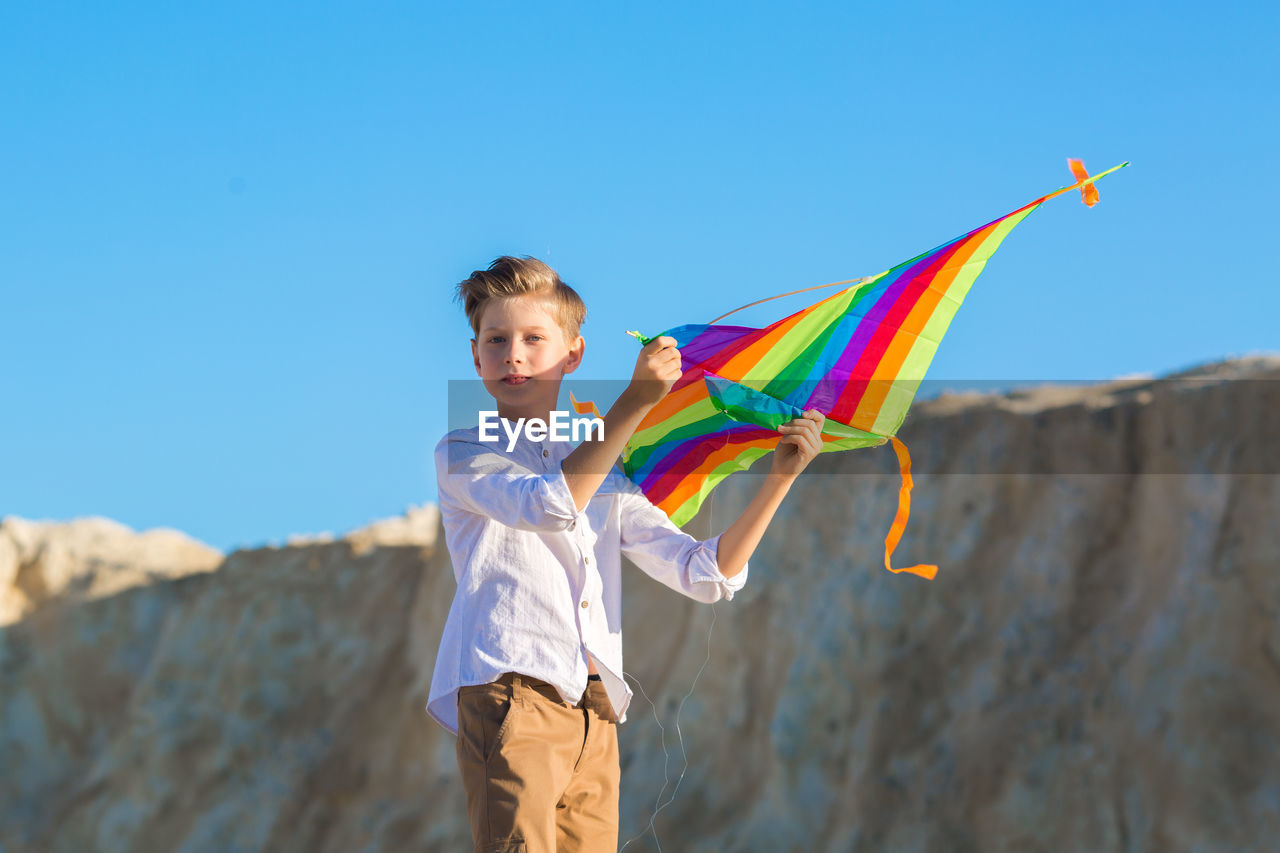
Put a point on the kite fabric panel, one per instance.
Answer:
(857, 356)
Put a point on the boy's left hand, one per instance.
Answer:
(801, 442)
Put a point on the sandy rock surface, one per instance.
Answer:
(88, 558)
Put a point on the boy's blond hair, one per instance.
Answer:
(510, 276)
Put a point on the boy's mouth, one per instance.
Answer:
(515, 379)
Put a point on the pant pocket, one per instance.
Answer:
(485, 715)
(597, 700)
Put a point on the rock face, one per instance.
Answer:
(1096, 666)
(86, 559)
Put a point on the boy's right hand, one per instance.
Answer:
(657, 369)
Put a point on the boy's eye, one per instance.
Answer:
(501, 339)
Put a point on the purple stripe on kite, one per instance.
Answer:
(826, 391)
(665, 478)
(710, 341)
(872, 319)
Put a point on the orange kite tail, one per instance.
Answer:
(1088, 192)
(587, 408)
(904, 510)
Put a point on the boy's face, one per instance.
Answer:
(521, 355)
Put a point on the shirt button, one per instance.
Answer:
(584, 605)
(588, 559)
(546, 453)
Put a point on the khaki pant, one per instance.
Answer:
(541, 774)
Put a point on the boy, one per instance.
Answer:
(529, 671)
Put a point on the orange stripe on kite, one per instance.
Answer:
(690, 486)
(739, 366)
(868, 410)
(676, 401)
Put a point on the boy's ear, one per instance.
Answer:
(475, 356)
(576, 350)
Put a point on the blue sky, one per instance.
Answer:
(228, 234)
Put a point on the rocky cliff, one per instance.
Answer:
(1096, 666)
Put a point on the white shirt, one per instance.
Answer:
(540, 583)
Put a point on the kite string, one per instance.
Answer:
(862, 280)
(659, 805)
(684, 755)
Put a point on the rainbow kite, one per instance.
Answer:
(857, 356)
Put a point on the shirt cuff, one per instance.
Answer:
(704, 568)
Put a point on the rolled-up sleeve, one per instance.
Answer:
(669, 555)
(477, 478)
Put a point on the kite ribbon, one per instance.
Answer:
(587, 408)
(747, 406)
(904, 510)
(1088, 191)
